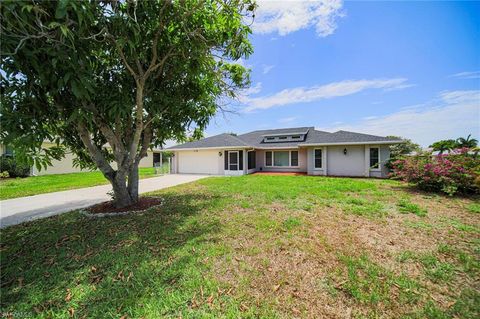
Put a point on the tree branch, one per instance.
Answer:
(95, 152)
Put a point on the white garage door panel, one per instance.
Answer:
(201, 162)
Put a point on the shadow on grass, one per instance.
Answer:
(140, 265)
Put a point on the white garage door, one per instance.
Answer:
(201, 162)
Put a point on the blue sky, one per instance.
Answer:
(386, 68)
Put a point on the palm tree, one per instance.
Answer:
(444, 145)
(467, 142)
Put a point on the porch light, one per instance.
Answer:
(220, 154)
(344, 151)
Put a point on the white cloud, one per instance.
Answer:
(453, 114)
(288, 119)
(284, 17)
(315, 93)
(267, 68)
(253, 89)
(467, 75)
(244, 95)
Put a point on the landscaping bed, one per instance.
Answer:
(143, 204)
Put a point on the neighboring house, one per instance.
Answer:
(65, 165)
(300, 149)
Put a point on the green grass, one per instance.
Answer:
(474, 208)
(407, 207)
(245, 247)
(34, 185)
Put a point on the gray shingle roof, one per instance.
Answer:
(255, 139)
(221, 140)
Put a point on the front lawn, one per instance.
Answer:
(250, 247)
(34, 185)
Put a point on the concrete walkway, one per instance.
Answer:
(18, 210)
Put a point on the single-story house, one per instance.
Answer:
(65, 165)
(300, 149)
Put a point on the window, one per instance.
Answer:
(294, 158)
(374, 157)
(270, 138)
(281, 158)
(8, 151)
(282, 138)
(156, 159)
(251, 159)
(318, 158)
(268, 158)
(295, 137)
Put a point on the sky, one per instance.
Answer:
(408, 68)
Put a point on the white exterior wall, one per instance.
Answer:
(302, 161)
(351, 164)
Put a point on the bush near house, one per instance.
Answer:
(14, 168)
(457, 172)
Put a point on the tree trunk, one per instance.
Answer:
(121, 195)
(133, 180)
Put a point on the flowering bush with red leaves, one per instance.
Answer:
(448, 173)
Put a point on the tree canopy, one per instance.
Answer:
(110, 79)
(404, 148)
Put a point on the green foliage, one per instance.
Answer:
(121, 77)
(468, 142)
(13, 167)
(454, 173)
(406, 207)
(407, 147)
(444, 145)
(4, 174)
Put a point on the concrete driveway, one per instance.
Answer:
(18, 210)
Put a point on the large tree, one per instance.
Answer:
(110, 79)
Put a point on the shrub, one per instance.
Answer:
(4, 174)
(14, 169)
(447, 173)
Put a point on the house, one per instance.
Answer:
(299, 149)
(65, 165)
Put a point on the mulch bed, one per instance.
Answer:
(107, 207)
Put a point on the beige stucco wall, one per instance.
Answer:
(65, 165)
(355, 163)
(351, 164)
